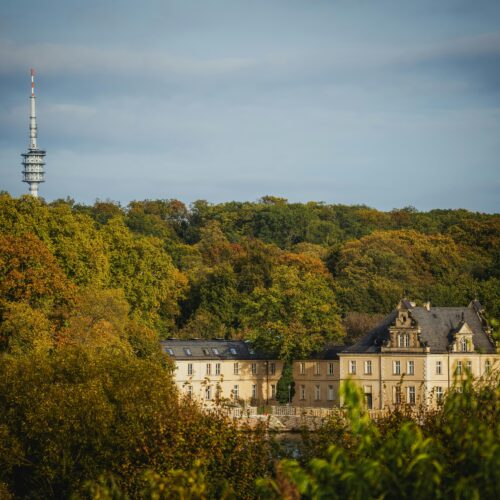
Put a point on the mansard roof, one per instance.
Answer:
(211, 349)
(437, 327)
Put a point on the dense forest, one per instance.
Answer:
(88, 406)
(289, 276)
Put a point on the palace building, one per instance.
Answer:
(414, 356)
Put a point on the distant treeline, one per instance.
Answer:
(288, 275)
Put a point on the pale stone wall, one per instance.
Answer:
(316, 383)
(244, 386)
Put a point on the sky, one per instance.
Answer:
(383, 103)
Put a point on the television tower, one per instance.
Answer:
(33, 163)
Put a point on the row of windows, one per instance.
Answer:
(317, 393)
(206, 351)
(236, 368)
(367, 365)
(410, 367)
(317, 368)
(235, 391)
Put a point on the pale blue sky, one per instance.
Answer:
(386, 103)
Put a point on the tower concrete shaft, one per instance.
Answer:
(33, 160)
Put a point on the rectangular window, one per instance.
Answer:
(438, 368)
(411, 367)
(209, 369)
(273, 391)
(396, 367)
(208, 393)
(254, 391)
(317, 393)
(317, 368)
(190, 368)
(396, 395)
(254, 368)
(236, 392)
(302, 392)
(272, 368)
(458, 369)
(190, 391)
(330, 368)
(469, 366)
(368, 367)
(411, 395)
(439, 394)
(352, 367)
(217, 368)
(236, 368)
(487, 366)
(330, 393)
(302, 368)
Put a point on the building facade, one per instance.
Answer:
(413, 357)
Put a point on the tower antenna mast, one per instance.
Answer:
(33, 160)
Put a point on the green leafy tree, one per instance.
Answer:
(285, 389)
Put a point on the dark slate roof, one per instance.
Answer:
(437, 326)
(329, 352)
(211, 349)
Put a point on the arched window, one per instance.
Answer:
(463, 344)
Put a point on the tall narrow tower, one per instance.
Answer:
(33, 160)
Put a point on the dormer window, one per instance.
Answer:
(403, 340)
(233, 351)
(170, 351)
(187, 351)
(206, 352)
(463, 344)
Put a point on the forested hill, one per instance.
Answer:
(288, 275)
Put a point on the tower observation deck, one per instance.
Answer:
(33, 160)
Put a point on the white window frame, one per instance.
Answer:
(411, 395)
(487, 366)
(368, 367)
(254, 368)
(208, 393)
(317, 368)
(410, 367)
(469, 365)
(302, 392)
(236, 368)
(209, 369)
(458, 368)
(190, 368)
(352, 367)
(302, 368)
(331, 369)
(273, 391)
(396, 367)
(317, 392)
(439, 367)
(396, 394)
(236, 391)
(217, 368)
(254, 391)
(439, 393)
(272, 368)
(330, 395)
(464, 345)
